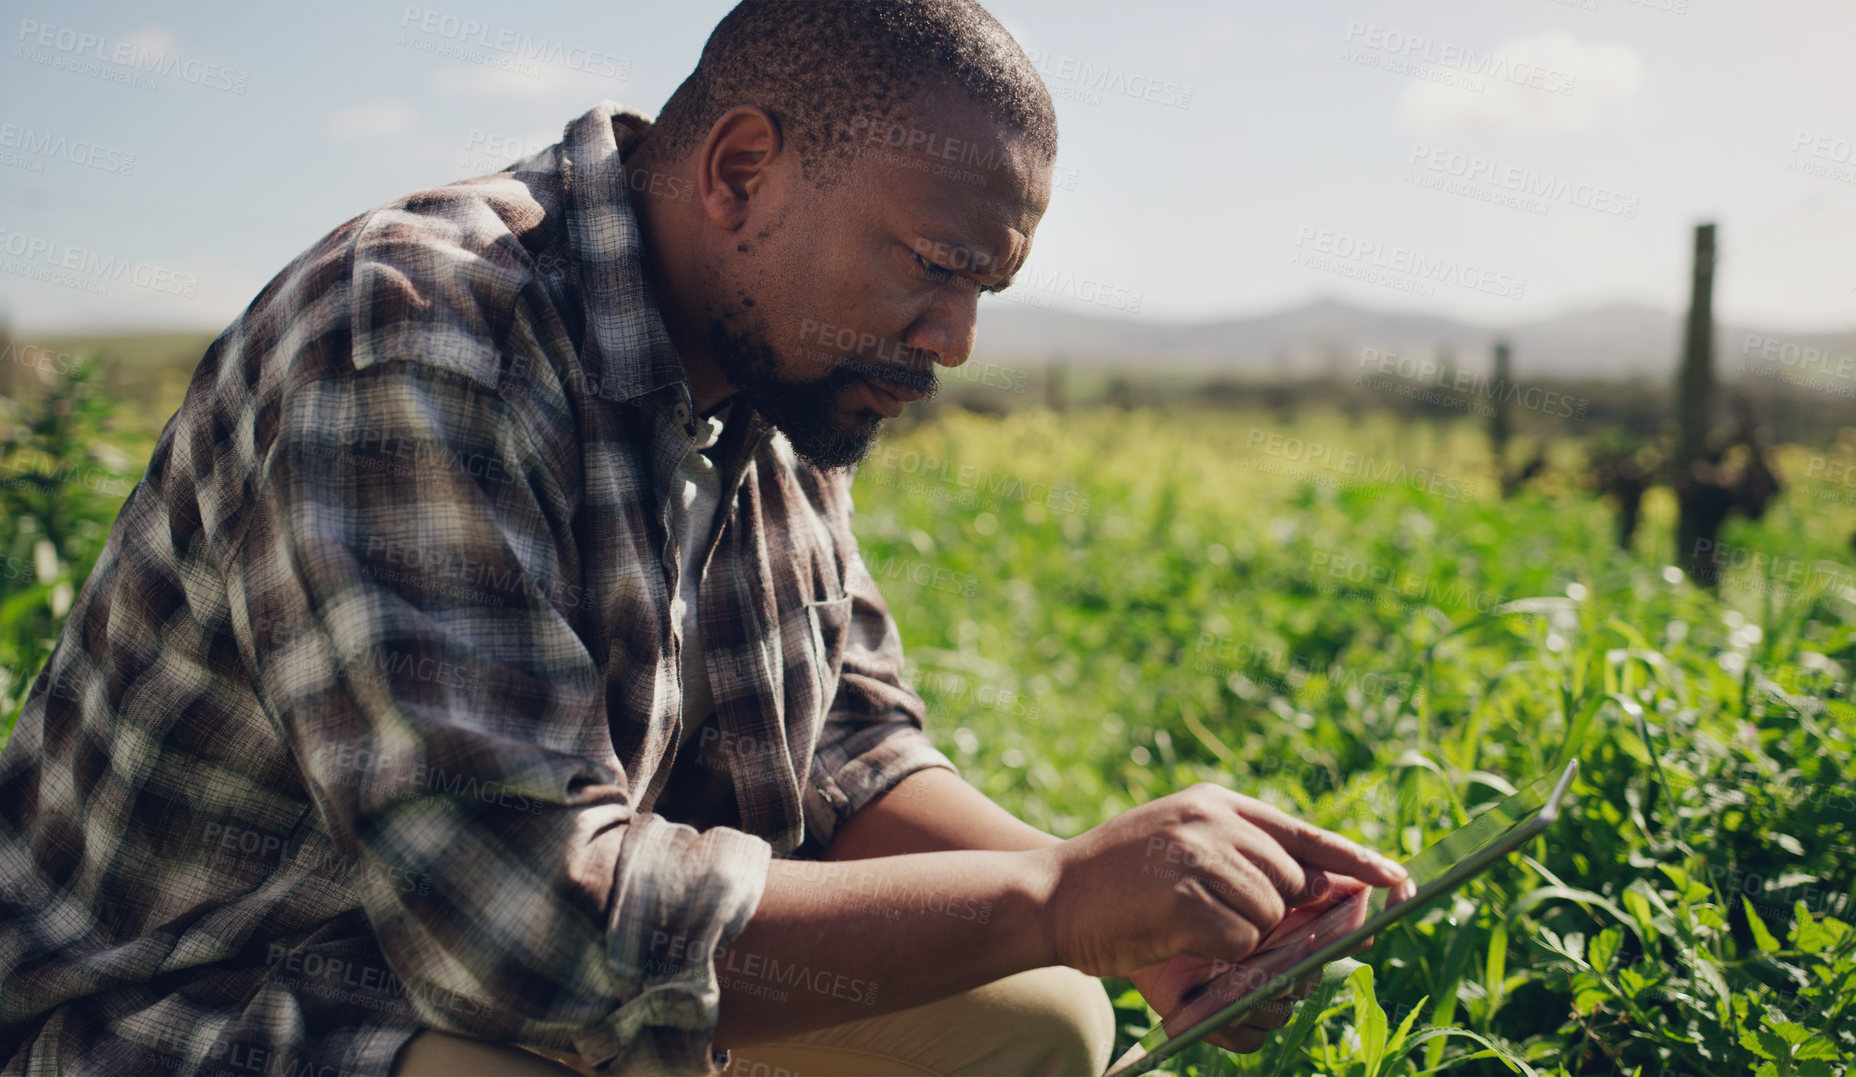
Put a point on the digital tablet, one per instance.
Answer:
(1300, 946)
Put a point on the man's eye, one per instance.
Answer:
(941, 275)
(931, 271)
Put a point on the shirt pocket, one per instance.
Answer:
(829, 622)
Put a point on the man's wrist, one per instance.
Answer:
(1040, 870)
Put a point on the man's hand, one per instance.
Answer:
(1170, 984)
(1164, 879)
(1206, 872)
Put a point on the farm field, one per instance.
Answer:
(1104, 606)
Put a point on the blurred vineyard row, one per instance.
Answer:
(1106, 604)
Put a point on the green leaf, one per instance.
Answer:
(1640, 911)
(23, 603)
(1764, 1044)
(1412, 757)
(1507, 1058)
(1463, 943)
(1310, 1012)
(1809, 935)
(1585, 898)
(1605, 947)
(1496, 971)
(1586, 1000)
(1816, 1048)
(1576, 732)
(1395, 1048)
(1686, 886)
(1635, 981)
(1762, 937)
(1369, 1019)
(1708, 972)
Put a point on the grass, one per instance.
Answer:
(1102, 607)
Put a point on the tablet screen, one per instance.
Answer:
(1308, 939)
(1483, 832)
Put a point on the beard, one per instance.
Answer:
(805, 411)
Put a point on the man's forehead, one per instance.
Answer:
(947, 161)
(988, 213)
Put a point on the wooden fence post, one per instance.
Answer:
(1701, 514)
(1501, 423)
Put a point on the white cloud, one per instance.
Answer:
(1550, 82)
(153, 41)
(375, 119)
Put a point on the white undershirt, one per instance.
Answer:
(695, 493)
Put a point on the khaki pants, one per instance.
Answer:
(1053, 1021)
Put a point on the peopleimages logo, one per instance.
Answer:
(1371, 469)
(1806, 367)
(47, 260)
(1490, 65)
(75, 50)
(1076, 288)
(34, 144)
(1434, 166)
(1825, 147)
(1334, 249)
(1818, 154)
(894, 135)
(513, 45)
(1429, 373)
(1087, 81)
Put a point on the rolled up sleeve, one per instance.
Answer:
(410, 587)
(873, 736)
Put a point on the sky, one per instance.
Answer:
(1498, 161)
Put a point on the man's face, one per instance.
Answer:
(838, 303)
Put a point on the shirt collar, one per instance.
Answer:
(709, 428)
(627, 351)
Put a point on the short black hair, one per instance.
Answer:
(826, 69)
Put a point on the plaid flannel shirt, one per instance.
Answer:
(366, 720)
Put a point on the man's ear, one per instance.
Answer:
(734, 164)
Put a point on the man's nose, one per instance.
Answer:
(945, 330)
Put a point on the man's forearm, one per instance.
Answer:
(858, 935)
(930, 810)
(837, 941)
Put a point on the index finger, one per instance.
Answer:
(1315, 847)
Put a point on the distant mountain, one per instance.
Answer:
(1330, 338)
(1323, 338)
